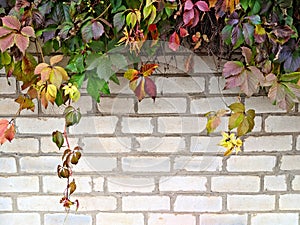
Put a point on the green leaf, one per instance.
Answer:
(295, 76)
(115, 79)
(96, 86)
(58, 138)
(244, 4)
(237, 107)
(77, 79)
(119, 21)
(5, 58)
(243, 128)
(72, 116)
(226, 34)
(235, 120)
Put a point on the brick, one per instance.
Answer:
(19, 184)
(5, 204)
(163, 105)
(268, 143)
(289, 202)
(160, 144)
(5, 88)
(296, 183)
(130, 184)
(116, 105)
(42, 125)
(153, 203)
(182, 85)
(262, 105)
(198, 204)
(217, 84)
(19, 218)
(182, 183)
(39, 203)
(24, 145)
(96, 164)
(206, 144)
(251, 163)
(250, 202)
(40, 164)
(122, 88)
(141, 125)
(179, 125)
(98, 183)
(203, 64)
(275, 183)
(198, 163)
(204, 105)
(171, 219)
(235, 184)
(282, 124)
(8, 165)
(99, 203)
(223, 219)
(298, 143)
(290, 162)
(257, 124)
(274, 218)
(146, 164)
(52, 184)
(95, 125)
(70, 219)
(8, 106)
(106, 144)
(48, 146)
(119, 219)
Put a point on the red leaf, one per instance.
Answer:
(148, 69)
(22, 42)
(11, 22)
(232, 68)
(188, 5)
(28, 31)
(97, 29)
(188, 15)
(183, 32)
(174, 41)
(202, 6)
(152, 27)
(7, 42)
(150, 88)
(138, 87)
(7, 131)
(4, 31)
(10, 133)
(3, 126)
(196, 18)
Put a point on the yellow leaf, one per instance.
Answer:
(130, 74)
(62, 71)
(45, 73)
(55, 59)
(51, 91)
(38, 69)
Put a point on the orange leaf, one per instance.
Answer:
(174, 41)
(10, 133)
(40, 67)
(45, 73)
(131, 74)
(148, 69)
(55, 59)
(3, 126)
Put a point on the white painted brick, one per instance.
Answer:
(290, 162)
(48, 146)
(296, 183)
(275, 183)
(130, 184)
(298, 143)
(20, 218)
(251, 163)
(204, 105)
(106, 144)
(274, 218)
(5, 203)
(257, 124)
(23, 145)
(268, 143)
(206, 144)
(8, 165)
(53, 184)
(39, 203)
(198, 204)
(160, 144)
(40, 164)
(250, 202)
(179, 125)
(262, 105)
(198, 163)
(119, 219)
(98, 184)
(223, 219)
(42, 125)
(69, 219)
(171, 219)
(95, 125)
(289, 202)
(203, 64)
(182, 85)
(282, 124)
(5, 88)
(182, 183)
(217, 84)
(163, 105)
(235, 184)
(145, 203)
(146, 164)
(19, 184)
(137, 125)
(96, 164)
(116, 105)
(97, 203)
(8, 106)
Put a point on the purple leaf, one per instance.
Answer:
(248, 32)
(247, 53)
(188, 16)
(202, 6)
(97, 29)
(196, 18)
(188, 5)
(232, 68)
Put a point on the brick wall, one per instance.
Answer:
(152, 163)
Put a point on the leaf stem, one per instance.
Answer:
(103, 12)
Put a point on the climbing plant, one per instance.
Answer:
(96, 39)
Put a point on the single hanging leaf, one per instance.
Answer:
(72, 187)
(202, 6)
(58, 138)
(174, 41)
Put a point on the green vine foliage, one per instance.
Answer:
(263, 33)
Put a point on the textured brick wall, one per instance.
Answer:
(152, 163)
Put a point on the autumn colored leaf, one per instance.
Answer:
(58, 138)
(232, 68)
(72, 187)
(174, 41)
(7, 131)
(25, 103)
(183, 32)
(148, 69)
(214, 120)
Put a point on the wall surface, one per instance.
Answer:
(153, 163)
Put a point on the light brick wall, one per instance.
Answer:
(152, 163)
